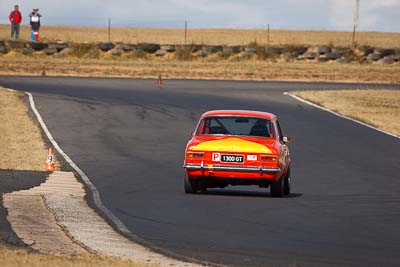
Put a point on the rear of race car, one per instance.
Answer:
(232, 165)
(237, 148)
(219, 168)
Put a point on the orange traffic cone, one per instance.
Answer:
(50, 166)
(159, 81)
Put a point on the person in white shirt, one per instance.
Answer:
(35, 19)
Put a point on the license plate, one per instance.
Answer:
(232, 158)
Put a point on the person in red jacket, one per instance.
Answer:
(15, 19)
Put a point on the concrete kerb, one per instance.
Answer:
(339, 115)
(95, 196)
(68, 226)
(44, 233)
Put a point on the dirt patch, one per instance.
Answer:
(380, 108)
(11, 181)
(34, 223)
(36, 226)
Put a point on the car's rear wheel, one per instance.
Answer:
(277, 188)
(190, 185)
(287, 183)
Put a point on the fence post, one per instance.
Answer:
(185, 32)
(355, 21)
(268, 36)
(109, 29)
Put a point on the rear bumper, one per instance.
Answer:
(203, 167)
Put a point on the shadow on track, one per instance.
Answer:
(236, 193)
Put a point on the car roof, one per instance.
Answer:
(247, 113)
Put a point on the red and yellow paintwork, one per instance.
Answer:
(251, 147)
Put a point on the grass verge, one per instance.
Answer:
(380, 108)
(19, 257)
(20, 139)
(201, 69)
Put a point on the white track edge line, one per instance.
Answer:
(96, 195)
(340, 115)
(93, 189)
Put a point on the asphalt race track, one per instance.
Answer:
(128, 136)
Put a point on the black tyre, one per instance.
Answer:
(105, 46)
(38, 46)
(149, 48)
(287, 183)
(190, 185)
(277, 188)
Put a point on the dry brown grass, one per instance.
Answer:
(380, 108)
(209, 36)
(201, 69)
(212, 67)
(17, 258)
(22, 146)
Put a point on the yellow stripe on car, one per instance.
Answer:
(232, 145)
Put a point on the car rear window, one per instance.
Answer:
(236, 125)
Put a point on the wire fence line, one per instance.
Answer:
(192, 31)
(117, 22)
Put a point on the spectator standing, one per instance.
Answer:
(15, 19)
(35, 23)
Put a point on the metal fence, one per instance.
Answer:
(167, 22)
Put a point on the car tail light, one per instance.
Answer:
(269, 158)
(195, 155)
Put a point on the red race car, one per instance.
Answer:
(238, 147)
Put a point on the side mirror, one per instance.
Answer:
(287, 139)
